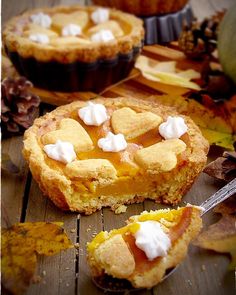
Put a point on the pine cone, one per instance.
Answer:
(200, 38)
(19, 106)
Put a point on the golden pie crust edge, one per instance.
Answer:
(153, 276)
(58, 187)
(83, 52)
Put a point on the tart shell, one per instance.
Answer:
(76, 67)
(170, 186)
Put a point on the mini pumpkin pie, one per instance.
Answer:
(146, 248)
(114, 151)
(70, 48)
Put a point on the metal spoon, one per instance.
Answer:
(109, 284)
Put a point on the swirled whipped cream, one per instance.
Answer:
(39, 38)
(61, 151)
(100, 15)
(151, 239)
(112, 142)
(93, 114)
(102, 36)
(174, 127)
(71, 30)
(41, 19)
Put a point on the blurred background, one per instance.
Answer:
(201, 8)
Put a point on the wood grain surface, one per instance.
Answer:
(202, 272)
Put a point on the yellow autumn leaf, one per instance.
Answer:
(166, 73)
(20, 244)
(217, 130)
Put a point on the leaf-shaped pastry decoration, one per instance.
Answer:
(21, 243)
(221, 236)
(166, 72)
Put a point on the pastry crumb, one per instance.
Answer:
(44, 273)
(73, 230)
(203, 267)
(36, 279)
(76, 245)
(120, 209)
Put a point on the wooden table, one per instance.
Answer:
(203, 272)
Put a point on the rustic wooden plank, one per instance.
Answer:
(57, 272)
(13, 186)
(89, 226)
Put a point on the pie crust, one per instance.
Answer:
(130, 263)
(150, 167)
(72, 63)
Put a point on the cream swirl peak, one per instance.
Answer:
(61, 151)
(100, 15)
(174, 127)
(71, 30)
(102, 36)
(152, 239)
(112, 143)
(93, 114)
(39, 38)
(41, 19)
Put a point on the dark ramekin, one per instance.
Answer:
(76, 76)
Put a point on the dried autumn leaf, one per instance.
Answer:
(220, 237)
(223, 168)
(21, 243)
(217, 130)
(227, 207)
(166, 72)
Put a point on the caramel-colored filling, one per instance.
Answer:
(22, 25)
(142, 263)
(128, 172)
(181, 218)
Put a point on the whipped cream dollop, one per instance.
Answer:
(41, 19)
(100, 15)
(39, 38)
(62, 151)
(71, 30)
(174, 127)
(102, 36)
(151, 239)
(112, 142)
(93, 114)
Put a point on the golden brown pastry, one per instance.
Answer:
(65, 47)
(143, 250)
(109, 152)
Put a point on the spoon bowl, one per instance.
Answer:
(109, 284)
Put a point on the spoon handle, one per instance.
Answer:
(224, 193)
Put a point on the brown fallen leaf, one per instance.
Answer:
(227, 207)
(221, 236)
(223, 168)
(20, 244)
